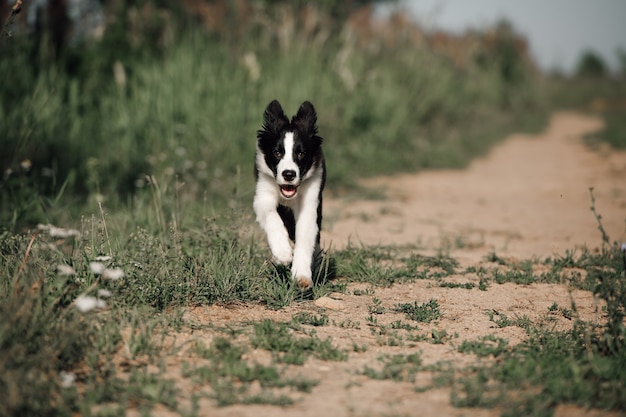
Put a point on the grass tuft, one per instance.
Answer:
(424, 313)
(396, 368)
(280, 339)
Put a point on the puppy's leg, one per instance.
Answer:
(270, 221)
(307, 232)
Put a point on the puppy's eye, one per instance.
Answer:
(300, 156)
(278, 154)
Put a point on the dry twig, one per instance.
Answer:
(15, 10)
(19, 271)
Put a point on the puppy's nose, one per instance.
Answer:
(289, 174)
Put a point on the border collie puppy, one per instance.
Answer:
(290, 175)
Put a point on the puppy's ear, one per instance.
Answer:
(274, 118)
(306, 119)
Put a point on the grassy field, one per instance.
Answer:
(90, 323)
(144, 161)
(105, 123)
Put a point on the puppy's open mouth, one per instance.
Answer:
(288, 191)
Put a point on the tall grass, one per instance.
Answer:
(95, 124)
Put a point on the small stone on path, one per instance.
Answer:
(329, 303)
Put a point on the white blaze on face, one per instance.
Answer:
(287, 163)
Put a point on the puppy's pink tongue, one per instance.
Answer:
(288, 190)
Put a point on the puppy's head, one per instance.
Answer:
(290, 151)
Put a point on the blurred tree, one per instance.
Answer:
(336, 8)
(591, 64)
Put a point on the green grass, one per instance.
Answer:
(290, 349)
(231, 376)
(502, 320)
(310, 319)
(424, 313)
(43, 334)
(602, 97)
(485, 346)
(549, 368)
(467, 285)
(184, 120)
(385, 266)
(565, 312)
(582, 366)
(396, 368)
(614, 132)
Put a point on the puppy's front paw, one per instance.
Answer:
(282, 254)
(304, 283)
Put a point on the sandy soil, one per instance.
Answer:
(528, 198)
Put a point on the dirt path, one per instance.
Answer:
(528, 198)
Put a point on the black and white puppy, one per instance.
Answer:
(290, 176)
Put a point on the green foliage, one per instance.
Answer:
(582, 366)
(502, 320)
(467, 285)
(43, 334)
(558, 364)
(385, 266)
(609, 273)
(114, 119)
(39, 335)
(614, 132)
(424, 313)
(396, 368)
(518, 274)
(372, 265)
(590, 64)
(310, 319)
(485, 346)
(596, 92)
(441, 262)
(376, 307)
(231, 376)
(279, 339)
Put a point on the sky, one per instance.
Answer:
(558, 30)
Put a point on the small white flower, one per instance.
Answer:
(187, 165)
(252, 65)
(623, 247)
(67, 379)
(104, 293)
(96, 267)
(113, 274)
(58, 231)
(180, 151)
(119, 74)
(140, 182)
(85, 303)
(152, 160)
(65, 270)
(63, 233)
(103, 258)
